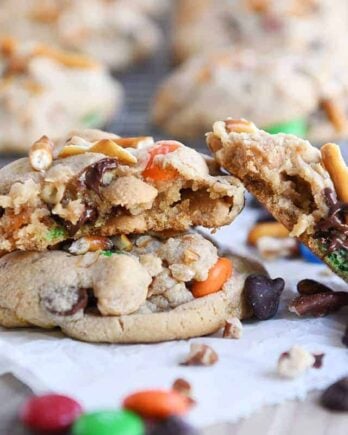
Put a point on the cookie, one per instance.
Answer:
(139, 295)
(117, 33)
(43, 89)
(97, 184)
(302, 187)
(241, 82)
(267, 26)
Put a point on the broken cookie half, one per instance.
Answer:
(141, 289)
(98, 183)
(304, 188)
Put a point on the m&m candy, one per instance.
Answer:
(308, 255)
(109, 423)
(157, 404)
(49, 413)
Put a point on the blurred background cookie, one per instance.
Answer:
(44, 90)
(117, 32)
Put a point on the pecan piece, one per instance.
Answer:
(297, 360)
(233, 328)
(200, 355)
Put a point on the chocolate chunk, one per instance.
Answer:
(319, 304)
(311, 287)
(89, 216)
(263, 294)
(93, 174)
(318, 360)
(173, 426)
(335, 397)
(345, 337)
(333, 231)
(52, 301)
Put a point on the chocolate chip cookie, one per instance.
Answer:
(304, 188)
(144, 290)
(98, 183)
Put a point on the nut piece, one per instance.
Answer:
(335, 113)
(295, 362)
(271, 248)
(90, 244)
(271, 229)
(319, 304)
(240, 126)
(104, 146)
(200, 355)
(122, 243)
(263, 294)
(111, 149)
(183, 387)
(311, 287)
(41, 154)
(336, 167)
(233, 328)
(336, 396)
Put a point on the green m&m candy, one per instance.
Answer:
(298, 127)
(109, 423)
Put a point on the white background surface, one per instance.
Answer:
(241, 382)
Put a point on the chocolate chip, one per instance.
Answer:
(318, 304)
(311, 287)
(93, 174)
(332, 231)
(345, 337)
(89, 216)
(263, 294)
(335, 397)
(173, 426)
(52, 301)
(318, 360)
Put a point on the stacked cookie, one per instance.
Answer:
(96, 239)
(279, 63)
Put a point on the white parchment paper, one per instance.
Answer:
(241, 382)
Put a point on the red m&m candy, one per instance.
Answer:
(49, 413)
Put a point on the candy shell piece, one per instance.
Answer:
(298, 127)
(49, 413)
(157, 404)
(308, 255)
(109, 423)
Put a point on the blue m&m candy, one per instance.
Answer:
(308, 255)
